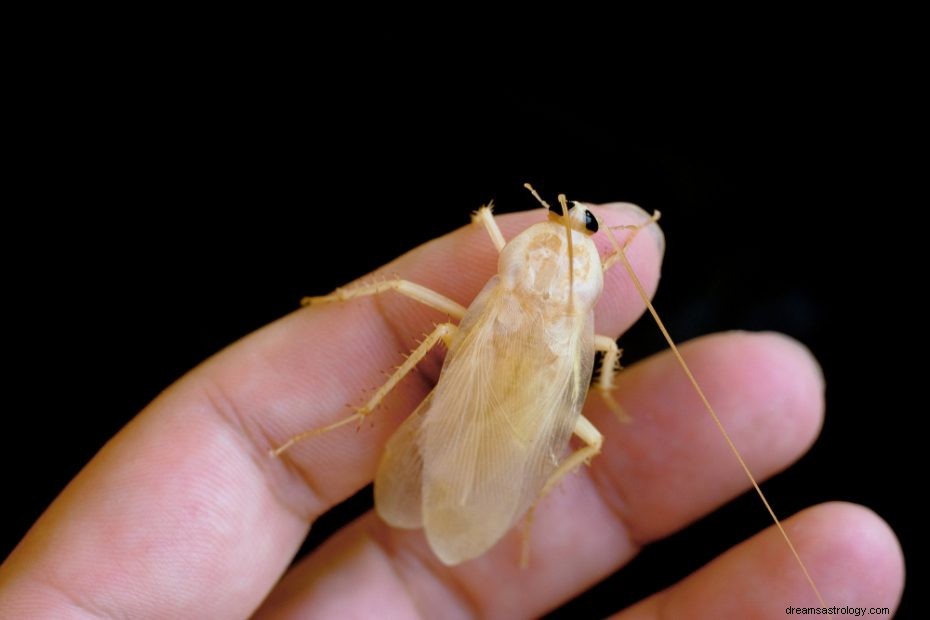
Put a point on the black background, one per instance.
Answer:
(176, 202)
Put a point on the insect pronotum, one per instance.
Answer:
(482, 448)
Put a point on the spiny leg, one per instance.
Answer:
(409, 289)
(593, 440)
(605, 380)
(443, 332)
(485, 217)
(614, 256)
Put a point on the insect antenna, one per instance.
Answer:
(537, 197)
(713, 414)
(566, 218)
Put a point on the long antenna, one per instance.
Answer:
(713, 414)
(567, 219)
(537, 196)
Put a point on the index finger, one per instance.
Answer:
(183, 511)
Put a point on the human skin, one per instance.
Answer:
(184, 514)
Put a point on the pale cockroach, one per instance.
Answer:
(485, 444)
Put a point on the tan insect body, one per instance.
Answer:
(471, 462)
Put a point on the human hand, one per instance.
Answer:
(184, 514)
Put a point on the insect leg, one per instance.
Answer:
(485, 217)
(614, 256)
(420, 293)
(593, 440)
(605, 380)
(443, 331)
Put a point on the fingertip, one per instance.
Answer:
(628, 211)
(801, 354)
(849, 552)
(786, 376)
(855, 556)
(621, 303)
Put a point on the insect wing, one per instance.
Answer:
(509, 395)
(399, 480)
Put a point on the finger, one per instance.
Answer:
(852, 554)
(184, 513)
(592, 524)
(672, 464)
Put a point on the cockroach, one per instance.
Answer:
(484, 446)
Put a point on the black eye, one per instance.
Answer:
(590, 222)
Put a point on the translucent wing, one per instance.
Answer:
(510, 391)
(398, 483)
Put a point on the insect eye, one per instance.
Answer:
(590, 222)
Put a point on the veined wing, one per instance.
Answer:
(509, 395)
(399, 480)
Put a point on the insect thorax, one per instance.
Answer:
(535, 264)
